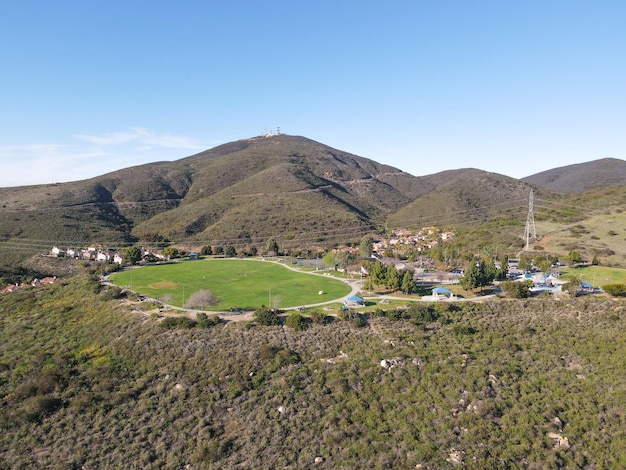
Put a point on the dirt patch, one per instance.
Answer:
(164, 285)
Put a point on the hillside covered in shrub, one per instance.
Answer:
(535, 383)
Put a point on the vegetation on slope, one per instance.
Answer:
(532, 383)
(581, 177)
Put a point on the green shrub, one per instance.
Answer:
(296, 321)
(394, 315)
(616, 290)
(319, 318)
(205, 321)
(517, 290)
(460, 329)
(267, 317)
(421, 312)
(285, 357)
(379, 312)
(358, 321)
(171, 323)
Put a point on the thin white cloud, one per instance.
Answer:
(47, 163)
(89, 156)
(110, 138)
(142, 136)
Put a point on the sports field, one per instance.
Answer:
(597, 275)
(245, 284)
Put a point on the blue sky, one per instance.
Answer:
(425, 86)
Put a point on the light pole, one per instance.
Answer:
(183, 296)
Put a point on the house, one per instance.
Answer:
(58, 251)
(74, 253)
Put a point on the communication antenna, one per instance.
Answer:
(530, 229)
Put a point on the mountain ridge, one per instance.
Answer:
(580, 177)
(247, 191)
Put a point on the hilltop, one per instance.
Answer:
(581, 177)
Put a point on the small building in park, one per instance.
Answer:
(355, 301)
(193, 255)
(442, 293)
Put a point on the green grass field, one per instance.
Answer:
(246, 284)
(597, 275)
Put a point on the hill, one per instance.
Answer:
(86, 381)
(237, 193)
(582, 176)
(301, 192)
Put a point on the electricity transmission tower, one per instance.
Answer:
(530, 222)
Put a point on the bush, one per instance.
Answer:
(171, 323)
(517, 290)
(207, 322)
(285, 357)
(460, 329)
(265, 316)
(616, 290)
(38, 408)
(394, 315)
(422, 313)
(318, 317)
(358, 321)
(296, 321)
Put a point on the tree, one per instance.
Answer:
(329, 259)
(595, 261)
(573, 285)
(503, 272)
(296, 321)
(219, 250)
(470, 280)
(543, 264)
(132, 255)
(393, 278)
(343, 259)
(231, 251)
(206, 250)
(365, 247)
(478, 274)
(206, 322)
(408, 284)
(265, 316)
(573, 257)
(201, 299)
(378, 273)
(171, 252)
(272, 247)
(525, 263)
(517, 290)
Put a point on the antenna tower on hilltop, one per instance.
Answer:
(530, 229)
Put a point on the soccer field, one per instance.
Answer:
(246, 284)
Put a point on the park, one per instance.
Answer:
(244, 284)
